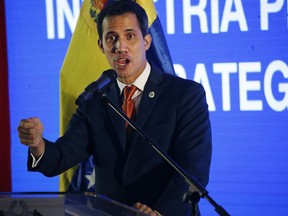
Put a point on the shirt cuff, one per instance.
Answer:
(34, 160)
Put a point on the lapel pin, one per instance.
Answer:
(152, 94)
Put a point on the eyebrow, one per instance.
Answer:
(126, 30)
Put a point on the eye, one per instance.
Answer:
(110, 38)
(130, 36)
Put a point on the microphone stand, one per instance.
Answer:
(196, 190)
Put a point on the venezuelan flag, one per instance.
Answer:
(84, 63)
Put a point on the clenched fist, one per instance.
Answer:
(30, 133)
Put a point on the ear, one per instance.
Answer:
(100, 44)
(147, 41)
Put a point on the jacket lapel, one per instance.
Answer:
(149, 97)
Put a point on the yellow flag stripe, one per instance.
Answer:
(83, 64)
(149, 7)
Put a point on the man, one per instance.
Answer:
(171, 110)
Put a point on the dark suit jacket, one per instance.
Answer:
(176, 118)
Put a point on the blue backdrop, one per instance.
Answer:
(237, 49)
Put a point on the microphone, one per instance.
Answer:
(107, 78)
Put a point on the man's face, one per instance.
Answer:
(124, 46)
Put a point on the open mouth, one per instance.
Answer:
(122, 62)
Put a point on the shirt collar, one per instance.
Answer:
(140, 81)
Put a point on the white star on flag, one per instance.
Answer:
(91, 179)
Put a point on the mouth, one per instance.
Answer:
(122, 62)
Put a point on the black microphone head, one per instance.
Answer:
(110, 73)
(107, 78)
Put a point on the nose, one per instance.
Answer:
(120, 46)
(117, 45)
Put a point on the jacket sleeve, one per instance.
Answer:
(67, 151)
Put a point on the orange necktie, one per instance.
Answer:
(128, 104)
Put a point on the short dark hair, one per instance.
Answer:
(120, 7)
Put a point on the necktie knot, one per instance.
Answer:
(129, 91)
